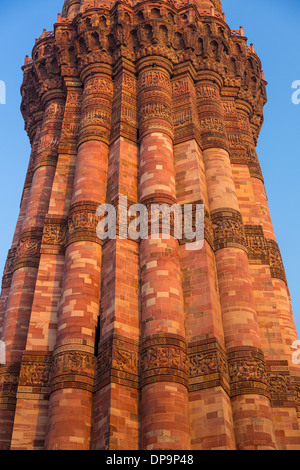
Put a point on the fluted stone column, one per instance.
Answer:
(28, 250)
(288, 328)
(116, 387)
(73, 364)
(164, 394)
(246, 169)
(9, 266)
(9, 374)
(26, 263)
(211, 423)
(278, 329)
(249, 395)
(33, 389)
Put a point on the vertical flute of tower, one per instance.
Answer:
(164, 394)
(32, 404)
(211, 426)
(287, 322)
(277, 312)
(239, 316)
(8, 270)
(15, 327)
(116, 386)
(80, 293)
(8, 415)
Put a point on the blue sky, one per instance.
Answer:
(273, 27)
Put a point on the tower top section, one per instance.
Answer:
(188, 34)
(72, 7)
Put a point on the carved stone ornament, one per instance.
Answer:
(256, 244)
(28, 250)
(228, 229)
(82, 223)
(73, 366)
(275, 259)
(117, 361)
(164, 357)
(247, 372)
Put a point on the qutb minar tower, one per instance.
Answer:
(143, 343)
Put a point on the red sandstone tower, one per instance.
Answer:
(143, 344)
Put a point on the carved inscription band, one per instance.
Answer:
(162, 358)
(54, 235)
(228, 229)
(9, 377)
(73, 366)
(9, 268)
(83, 222)
(247, 372)
(117, 361)
(264, 251)
(223, 228)
(208, 366)
(28, 250)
